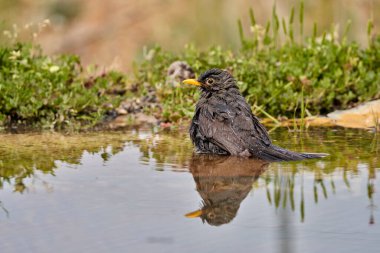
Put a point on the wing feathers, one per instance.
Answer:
(231, 126)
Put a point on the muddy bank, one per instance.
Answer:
(364, 116)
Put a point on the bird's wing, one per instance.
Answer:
(221, 134)
(232, 126)
(249, 122)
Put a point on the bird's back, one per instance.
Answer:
(224, 124)
(225, 120)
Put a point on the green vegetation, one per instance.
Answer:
(37, 90)
(280, 71)
(280, 74)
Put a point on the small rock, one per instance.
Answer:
(143, 118)
(108, 106)
(165, 124)
(366, 115)
(179, 71)
(121, 111)
(120, 121)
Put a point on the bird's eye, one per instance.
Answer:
(211, 215)
(209, 81)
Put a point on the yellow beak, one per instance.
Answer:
(192, 82)
(194, 214)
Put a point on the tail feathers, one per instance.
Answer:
(314, 155)
(276, 154)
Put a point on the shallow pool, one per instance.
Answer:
(144, 191)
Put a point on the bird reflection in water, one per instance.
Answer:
(223, 182)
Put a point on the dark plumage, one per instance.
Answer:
(224, 124)
(223, 182)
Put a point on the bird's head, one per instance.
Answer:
(213, 80)
(216, 215)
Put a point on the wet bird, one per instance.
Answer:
(223, 122)
(223, 182)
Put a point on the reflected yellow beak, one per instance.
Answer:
(192, 82)
(194, 214)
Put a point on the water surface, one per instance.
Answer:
(144, 191)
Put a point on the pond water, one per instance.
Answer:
(144, 191)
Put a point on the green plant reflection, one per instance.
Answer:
(22, 155)
(222, 182)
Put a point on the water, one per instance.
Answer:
(144, 191)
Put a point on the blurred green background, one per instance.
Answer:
(113, 32)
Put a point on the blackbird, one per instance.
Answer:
(223, 182)
(223, 122)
